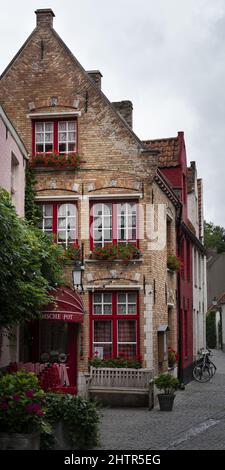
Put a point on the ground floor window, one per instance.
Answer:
(114, 324)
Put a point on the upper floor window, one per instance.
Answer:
(60, 220)
(55, 136)
(114, 222)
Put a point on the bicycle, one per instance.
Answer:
(204, 368)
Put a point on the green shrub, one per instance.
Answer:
(22, 403)
(119, 361)
(167, 383)
(80, 417)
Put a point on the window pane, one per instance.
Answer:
(127, 350)
(71, 235)
(126, 331)
(131, 297)
(107, 309)
(71, 136)
(39, 148)
(39, 126)
(71, 125)
(71, 223)
(108, 222)
(49, 127)
(121, 309)
(47, 224)
(62, 210)
(62, 126)
(39, 138)
(71, 209)
(48, 137)
(71, 147)
(98, 209)
(48, 147)
(121, 298)
(62, 147)
(107, 298)
(61, 236)
(103, 351)
(107, 209)
(132, 308)
(102, 331)
(107, 235)
(97, 309)
(47, 210)
(61, 223)
(97, 298)
(62, 136)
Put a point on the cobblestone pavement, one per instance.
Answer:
(197, 421)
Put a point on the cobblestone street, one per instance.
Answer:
(197, 421)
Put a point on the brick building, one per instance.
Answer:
(126, 308)
(191, 292)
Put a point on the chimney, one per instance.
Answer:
(45, 17)
(96, 76)
(125, 109)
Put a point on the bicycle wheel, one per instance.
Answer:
(202, 373)
(213, 368)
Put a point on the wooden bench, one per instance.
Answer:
(122, 386)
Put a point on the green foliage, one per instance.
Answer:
(21, 403)
(173, 263)
(117, 362)
(167, 383)
(214, 237)
(30, 264)
(211, 329)
(80, 418)
(32, 210)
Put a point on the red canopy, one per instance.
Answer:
(68, 306)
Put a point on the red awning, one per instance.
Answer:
(68, 306)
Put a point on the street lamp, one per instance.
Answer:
(214, 301)
(77, 273)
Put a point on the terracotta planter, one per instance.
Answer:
(166, 401)
(18, 441)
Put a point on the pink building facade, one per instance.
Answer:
(13, 157)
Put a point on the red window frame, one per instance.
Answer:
(114, 317)
(55, 122)
(114, 221)
(55, 230)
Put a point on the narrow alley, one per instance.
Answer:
(197, 421)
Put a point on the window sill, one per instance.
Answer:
(47, 169)
(134, 261)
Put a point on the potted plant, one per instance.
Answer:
(169, 385)
(173, 263)
(21, 411)
(111, 251)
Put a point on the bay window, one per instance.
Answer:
(114, 324)
(58, 136)
(60, 220)
(113, 222)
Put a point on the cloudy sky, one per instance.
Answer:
(166, 56)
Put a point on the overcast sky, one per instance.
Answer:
(166, 56)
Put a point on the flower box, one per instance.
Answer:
(115, 251)
(55, 160)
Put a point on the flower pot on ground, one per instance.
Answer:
(168, 384)
(21, 411)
